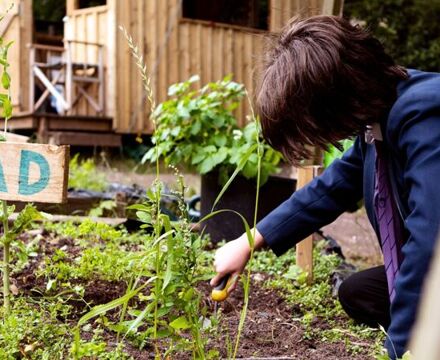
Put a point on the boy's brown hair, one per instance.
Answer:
(324, 80)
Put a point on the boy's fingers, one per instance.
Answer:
(235, 277)
(216, 279)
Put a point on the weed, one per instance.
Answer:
(31, 332)
(106, 206)
(6, 105)
(83, 174)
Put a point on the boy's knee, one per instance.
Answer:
(364, 297)
(348, 291)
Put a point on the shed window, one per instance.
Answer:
(248, 13)
(90, 3)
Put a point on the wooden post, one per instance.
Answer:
(304, 249)
(31, 78)
(71, 6)
(101, 91)
(43, 130)
(425, 341)
(69, 77)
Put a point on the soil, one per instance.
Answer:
(271, 329)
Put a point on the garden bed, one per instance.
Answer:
(64, 270)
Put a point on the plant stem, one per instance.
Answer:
(246, 284)
(156, 299)
(6, 250)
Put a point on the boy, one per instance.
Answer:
(325, 80)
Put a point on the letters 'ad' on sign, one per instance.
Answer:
(33, 172)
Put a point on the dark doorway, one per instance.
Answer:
(247, 13)
(90, 3)
(48, 21)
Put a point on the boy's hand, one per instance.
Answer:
(232, 258)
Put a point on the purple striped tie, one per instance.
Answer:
(388, 221)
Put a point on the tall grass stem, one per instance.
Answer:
(246, 283)
(6, 261)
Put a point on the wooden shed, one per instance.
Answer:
(83, 87)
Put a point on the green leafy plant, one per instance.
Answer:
(83, 174)
(405, 27)
(24, 220)
(198, 128)
(105, 206)
(334, 153)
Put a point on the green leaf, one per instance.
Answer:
(196, 127)
(207, 165)
(150, 155)
(6, 80)
(140, 207)
(50, 284)
(176, 131)
(170, 246)
(182, 111)
(138, 321)
(25, 218)
(407, 356)
(194, 78)
(210, 149)
(7, 108)
(245, 223)
(143, 216)
(198, 157)
(180, 323)
(102, 309)
(220, 139)
(250, 170)
(234, 174)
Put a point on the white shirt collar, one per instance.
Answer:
(373, 132)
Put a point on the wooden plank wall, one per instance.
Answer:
(283, 10)
(92, 25)
(175, 49)
(19, 31)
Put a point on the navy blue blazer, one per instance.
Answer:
(412, 138)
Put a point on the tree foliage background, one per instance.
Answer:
(409, 29)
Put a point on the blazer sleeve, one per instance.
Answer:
(338, 189)
(414, 126)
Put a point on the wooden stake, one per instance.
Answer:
(304, 249)
(425, 340)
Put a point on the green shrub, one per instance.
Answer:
(409, 29)
(198, 128)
